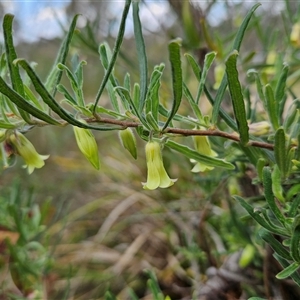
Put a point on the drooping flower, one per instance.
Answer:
(157, 175)
(128, 141)
(202, 145)
(27, 151)
(87, 145)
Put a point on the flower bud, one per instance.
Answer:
(259, 128)
(157, 175)
(87, 145)
(128, 141)
(27, 151)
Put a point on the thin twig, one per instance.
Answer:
(186, 132)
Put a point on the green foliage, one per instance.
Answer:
(243, 136)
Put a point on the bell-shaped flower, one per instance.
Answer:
(202, 145)
(87, 145)
(27, 151)
(157, 175)
(128, 141)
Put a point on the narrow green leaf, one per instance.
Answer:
(30, 95)
(259, 87)
(195, 66)
(152, 98)
(22, 103)
(50, 101)
(285, 263)
(127, 83)
(62, 89)
(291, 116)
(192, 103)
(174, 57)
(275, 244)
(164, 112)
(192, 154)
(237, 97)
(276, 184)
(136, 94)
(152, 122)
(288, 271)
(259, 219)
(236, 46)
(295, 240)
(224, 115)
(209, 58)
(294, 207)
(11, 55)
(55, 74)
(7, 125)
(267, 182)
(141, 53)
(116, 50)
(105, 57)
(272, 106)
(127, 96)
(281, 84)
(74, 83)
(280, 151)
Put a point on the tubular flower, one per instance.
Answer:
(157, 175)
(25, 149)
(87, 145)
(128, 141)
(202, 145)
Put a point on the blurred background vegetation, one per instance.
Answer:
(99, 229)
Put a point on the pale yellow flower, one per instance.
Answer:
(27, 151)
(202, 145)
(157, 175)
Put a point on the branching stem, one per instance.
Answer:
(186, 132)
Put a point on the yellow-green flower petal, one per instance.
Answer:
(27, 151)
(87, 145)
(202, 145)
(156, 174)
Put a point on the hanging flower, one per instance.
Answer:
(202, 145)
(87, 145)
(128, 141)
(157, 175)
(27, 151)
